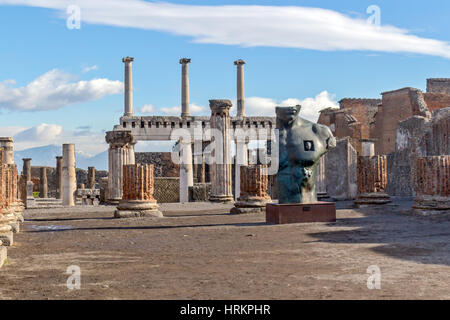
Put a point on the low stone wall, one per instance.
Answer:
(167, 190)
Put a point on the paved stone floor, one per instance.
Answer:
(199, 252)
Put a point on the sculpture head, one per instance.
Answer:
(287, 115)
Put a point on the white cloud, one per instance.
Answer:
(86, 141)
(148, 108)
(194, 109)
(53, 90)
(91, 68)
(251, 25)
(257, 106)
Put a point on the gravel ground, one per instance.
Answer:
(199, 252)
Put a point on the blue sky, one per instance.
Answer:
(35, 40)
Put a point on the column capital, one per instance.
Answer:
(127, 59)
(57, 157)
(239, 62)
(118, 139)
(220, 107)
(185, 60)
(26, 159)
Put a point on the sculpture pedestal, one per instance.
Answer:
(300, 212)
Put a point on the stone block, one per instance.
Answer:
(300, 212)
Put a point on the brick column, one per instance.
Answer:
(253, 196)
(433, 185)
(372, 180)
(221, 173)
(137, 199)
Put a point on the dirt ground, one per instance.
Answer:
(199, 252)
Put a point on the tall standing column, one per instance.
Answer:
(240, 88)
(186, 172)
(59, 165)
(128, 86)
(43, 188)
(117, 157)
(91, 178)
(185, 87)
(26, 171)
(7, 143)
(221, 179)
(69, 183)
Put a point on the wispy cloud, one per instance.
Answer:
(258, 106)
(53, 90)
(90, 68)
(148, 108)
(194, 109)
(251, 25)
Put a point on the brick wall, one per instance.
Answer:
(167, 190)
(162, 161)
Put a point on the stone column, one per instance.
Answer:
(130, 152)
(433, 185)
(221, 175)
(7, 143)
(185, 87)
(10, 197)
(372, 180)
(59, 165)
(254, 182)
(69, 179)
(117, 157)
(241, 160)
(91, 178)
(138, 187)
(26, 171)
(240, 88)
(6, 234)
(321, 185)
(43, 184)
(186, 171)
(128, 86)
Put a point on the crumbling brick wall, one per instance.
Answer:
(162, 161)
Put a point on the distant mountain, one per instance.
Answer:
(46, 156)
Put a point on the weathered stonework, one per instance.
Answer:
(372, 180)
(137, 199)
(69, 180)
(88, 197)
(199, 192)
(433, 185)
(120, 145)
(43, 187)
(221, 173)
(340, 171)
(91, 178)
(6, 230)
(254, 183)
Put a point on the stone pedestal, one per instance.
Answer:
(372, 181)
(433, 185)
(221, 167)
(253, 197)
(138, 187)
(69, 183)
(118, 156)
(301, 212)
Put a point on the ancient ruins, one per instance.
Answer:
(396, 146)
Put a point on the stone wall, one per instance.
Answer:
(162, 162)
(167, 189)
(340, 171)
(440, 85)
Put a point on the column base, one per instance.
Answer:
(431, 205)
(3, 255)
(375, 198)
(7, 238)
(221, 198)
(114, 201)
(250, 205)
(137, 208)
